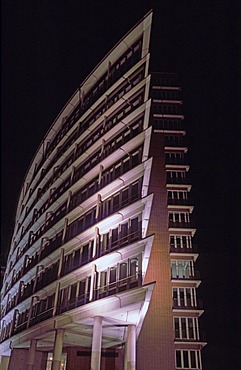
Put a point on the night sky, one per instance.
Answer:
(49, 47)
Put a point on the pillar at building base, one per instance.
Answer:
(4, 362)
(31, 355)
(58, 346)
(96, 344)
(130, 348)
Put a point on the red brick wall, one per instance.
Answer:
(155, 346)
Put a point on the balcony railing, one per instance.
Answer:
(114, 287)
(112, 145)
(91, 97)
(101, 292)
(177, 143)
(178, 161)
(21, 327)
(178, 202)
(171, 125)
(103, 249)
(183, 224)
(187, 304)
(41, 316)
(175, 249)
(189, 275)
(178, 180)
(183, 337)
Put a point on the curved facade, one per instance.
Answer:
(101, 270)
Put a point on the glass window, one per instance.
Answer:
(124, 232)
(112, 274)
(50, 360)
(193, 359)
(185, 359)
(82, 285)
(88, 218)
(116, 202)
(114, 237)
(178, 359)
(123, 271)
(134, 268)
(184, 327)
(85, 253)
(73, 290)
(124, 197)
(103, 276)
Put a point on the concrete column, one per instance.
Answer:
(31, 354)
(96, 344)
(58, 346)
(130, 348)
(4, 362)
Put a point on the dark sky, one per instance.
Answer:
(49, 47)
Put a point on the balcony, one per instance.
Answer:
(20, 327)
(178, 202)
(187, 304)
(169, 125)
(179, 249)
(112, 145)
(181, 336)
(70, 264)
(101, 292)
(181, 225)
(175, 142)
(42, 316)
(187, 275)
(178, 180)
(176, 161)
(101, 86)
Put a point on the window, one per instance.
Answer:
(104, 243)
(116, 202)
(175, 158)
(85, 253)
(50, 301)
(188, 359)
(62, 363)
(114, 237)
(124, 233)
(73, 290)
(82, 287)
(166, 108)
(177, 177)
(180, 241)
(76, 258)
(125, 197)
(182, 269)
(112, 277)
(184, 297)
(112, 274)
(179, 217)
(178, 359)
(102, 281)
(134, 265)
(186, 328)
(180, 194)
(64, 296)
(123, 270)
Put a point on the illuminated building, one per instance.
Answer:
(101, 269)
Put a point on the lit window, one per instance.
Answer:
(187, 359)
(50, 360)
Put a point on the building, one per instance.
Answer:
(101, 270)
(2, 269)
